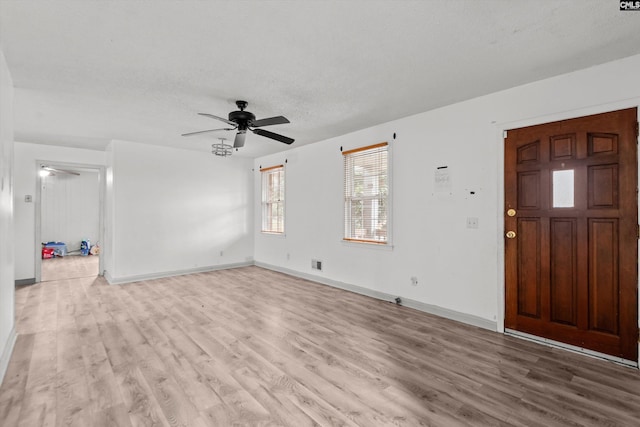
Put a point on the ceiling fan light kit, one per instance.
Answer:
(221, 149)
(242, 121)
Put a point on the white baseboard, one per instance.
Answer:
(458, 316)
(6, 353)
(417, 305)
(107, 277)
(160, 275)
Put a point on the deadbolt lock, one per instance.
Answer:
(511, 234)
(511, 212)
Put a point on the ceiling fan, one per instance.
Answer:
(243, 121)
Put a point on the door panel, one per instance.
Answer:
(603, 275)
(603, 187)
(571, 268)
(529, 190)
(529, 268)
(563, 147)
(563, 298)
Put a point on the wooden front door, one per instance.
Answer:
(571, 227)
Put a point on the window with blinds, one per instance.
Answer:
(273, 199)
(366, 194)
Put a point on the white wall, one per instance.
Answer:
(459, 270)
(7, 289)
(174, 210)
(71, 208)
(26, 157)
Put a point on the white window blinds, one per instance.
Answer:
(273, 199)
(366, 194)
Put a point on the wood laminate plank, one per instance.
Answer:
(282, 409)
(118, 351)
(10, 408)
(39, 406)
(15, 379)
(112, 416)
(139, 400)
(73, 405)
(22, 298)
(44, 360)
(173, 403)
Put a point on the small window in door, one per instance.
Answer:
(563, 184)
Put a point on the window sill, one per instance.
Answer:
(270, 233)
(368, 245)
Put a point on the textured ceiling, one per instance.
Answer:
(87, 72)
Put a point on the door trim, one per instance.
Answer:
(38, 211)
(500, 129)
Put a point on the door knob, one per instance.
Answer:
(511, 212)
(511, 234)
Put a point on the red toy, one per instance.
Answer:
(47, 253)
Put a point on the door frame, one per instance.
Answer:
(38, 210)
(500, 129)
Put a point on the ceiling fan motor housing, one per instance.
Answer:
(242, 118)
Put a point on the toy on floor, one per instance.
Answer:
(84, 247)
(59, 248)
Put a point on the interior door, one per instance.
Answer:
(571, 230)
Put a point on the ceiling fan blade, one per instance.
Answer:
(50, 169)
(239, 141)
(229, 122)
(205, 131)
(272, 135)
(278, 120)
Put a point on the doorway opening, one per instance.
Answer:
(69, 221)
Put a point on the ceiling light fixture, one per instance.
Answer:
(221, 149)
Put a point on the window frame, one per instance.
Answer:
(347, 233)
(266, 203)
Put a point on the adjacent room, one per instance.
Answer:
(319, 213)
(69, 222)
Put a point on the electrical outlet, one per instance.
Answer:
(221, 253)
(472, 222)
(288, 256)
(414, 281)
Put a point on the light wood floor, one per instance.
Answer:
(249, 346)
(69, 267)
